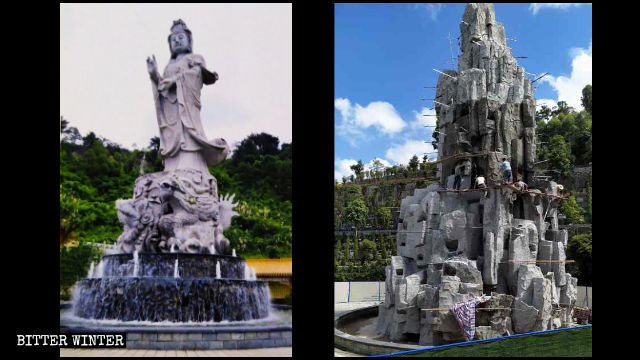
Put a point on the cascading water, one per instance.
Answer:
(253, 274)
(135, 263)
(90, 273)
(99, 271)
(233, 253)
(165, 288)
(212, 249)
(173, 248)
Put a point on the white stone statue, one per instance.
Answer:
(183, 143)
(179, 208)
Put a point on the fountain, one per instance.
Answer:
(99, 270)
(173, 264)
(90, 273)
(136, 263)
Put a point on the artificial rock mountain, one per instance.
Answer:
(454, 246)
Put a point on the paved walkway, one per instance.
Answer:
(266, 352)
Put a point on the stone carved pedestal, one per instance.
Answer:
(177, 210)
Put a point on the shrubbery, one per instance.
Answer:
(74, 264)
(371, 271)
(579, 249)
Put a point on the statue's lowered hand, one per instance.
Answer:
(166, 83)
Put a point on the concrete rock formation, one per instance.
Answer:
(457, 245)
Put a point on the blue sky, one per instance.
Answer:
(385, 53)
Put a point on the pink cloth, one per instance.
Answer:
(465, 313)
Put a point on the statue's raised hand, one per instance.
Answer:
(152, 66)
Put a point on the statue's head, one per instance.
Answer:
(180, 40)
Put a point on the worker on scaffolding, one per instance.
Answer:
(521, 185)
(480, 184)
(506, 170)
(457, 181)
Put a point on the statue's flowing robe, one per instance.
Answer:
(183, 143)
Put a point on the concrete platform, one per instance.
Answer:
(269, 352)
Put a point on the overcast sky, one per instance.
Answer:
(105, 87)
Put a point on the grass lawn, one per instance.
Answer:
(563, 343)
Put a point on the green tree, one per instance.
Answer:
(358, 168)
(586, 98)
(384, 216)
(559, 155)
(367, 250)
(414, 163)
(356, 250)
(356, 213)
(69, 216)
(580, 250)
(377, 168)
(562, 108)
(572, 211)
(383, 246)
(543, 114)
(346, 253)
(74, 264)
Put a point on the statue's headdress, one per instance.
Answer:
(180, 26)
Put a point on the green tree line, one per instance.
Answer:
(95, 172)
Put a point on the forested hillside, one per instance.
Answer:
(95, 172)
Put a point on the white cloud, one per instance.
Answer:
(105, 88)
(344, 105)
(569, 89)
(420, 121)
(401, 154)
(380, 115)
(431, 9)
(535, 7)
(342, 167)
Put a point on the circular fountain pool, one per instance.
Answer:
(355, 331)
(172, 287)
(177, 301)
(272, 331)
